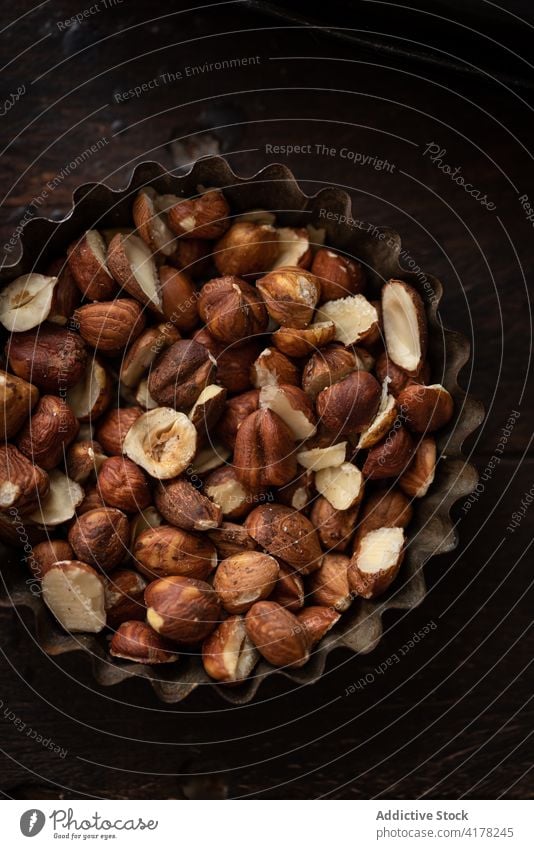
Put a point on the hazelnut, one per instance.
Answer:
(180, 374)
(291, 295)
(277, 635)
(179, 298)
(161, 441)
(124, 597)
(92, 395)
(66, 296)
(386, 508)
(151, 223)
(341, 485)
(91, 501)
(419, 476)
(335, 527)
(45, 554)
(329, 585)
(298, 493)
(87, 262)
(74, 593)
(273, 368)
(124, 485)
(27, 301)
(227, 654)
(144, 351)
(51, 428)
(234, 361)
(17, 399)
(350, 405)
(294, 246)
(231, 309)
(405, 326)
(382, 422)
(138, 642)
(224, 488)
(132, 264)
(182, 609)
(110, 326)
(246, 248)
(100, 537)
(317, 621)
(293, 406)
(391, 457)
(245, 578)
(231, 539)
(50, 357)
(237, 410)
(287, 535)
(114, 427)
(164, 551)
(339, 275)
(296, 342)
(207, 409)
(263, 452)
(84, 459)
(425, 408)
(289, 590)
(323, 458)
(186, 507)
(356, 320)
(22, 485)
(398, 378)
(376, 561)
(326, 367)
(203, 217)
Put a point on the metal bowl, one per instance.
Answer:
(431, 532)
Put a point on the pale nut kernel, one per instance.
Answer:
(161, 441)
(339, 275)
(342, 486)
(273, 368)
(231, 309)
(51, 357)
(203, 217)
(376, 561)
(426, 408)
(293, 406)
(356, 320)
(228, 655)
(329, 585)
(110, 326)
(419, 476)
(295, 249)
(319, 458)
(101, 537)
(185, 507)
(114, 427)
(350, 405)
(163, 551)
(26, 301)
(208, 409)
(138, 642)
(287, 535)
(124, 485)
(290, 295)
(405, 327)
(277, 634)
(382, 422)
(60, 502)
(151, 223)
(132, 264)
(245, 578)
(226, 490)
(247, 248)
(124, 597)
(182, 609)
(50, 430)
(74, 594)
(144, 351)
(87, 262)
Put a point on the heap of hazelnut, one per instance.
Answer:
(212, 437)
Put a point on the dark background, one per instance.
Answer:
(455, 717)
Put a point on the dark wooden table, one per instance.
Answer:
(455, 717)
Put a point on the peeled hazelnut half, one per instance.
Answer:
(339, 275)
(294, 243)
(26, 301)
(341, 485)
(405, 329)
(277, 635)
(224, 488)
(376, 561)
(184, 506)
(419, 476)
(290, 295)
(164, 551)
(296, 342)
(228, 654)
(245, 578)
(246, 248)
(183, 609)
(87, 262)
(74, 593)
(426, 408)
(91, 396)
(323, 458)
(161, 441)
(356, 320)
(132, 264)
(329, 585)
(151, 224)
(272, 368)
(382, 422)
(138, 642)
(293, 406)
(60, 504)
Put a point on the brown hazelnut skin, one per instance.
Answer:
(289, 590)
(92, 500)
(391, 457)
(182, 609)
(385, 508)
(244, 579)
(110, 326)
(339, 275)
(100, 537)
(165, 551)
(209, 212)
(123, 484)
(277, 635)
(335, 527)
(350, 405)
(138, 642)
(317, 620)
(22, 483)
(179, 298)
(48, 552)
(50, 357)
(398, 378)
(50, 429)
(180, 374)
(232, 309)
(114, 427)
(125, 597)
(236, 411)
(426, 408)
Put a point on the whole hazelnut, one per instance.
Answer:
(182, 609)
(124, 485)
(100, 537)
